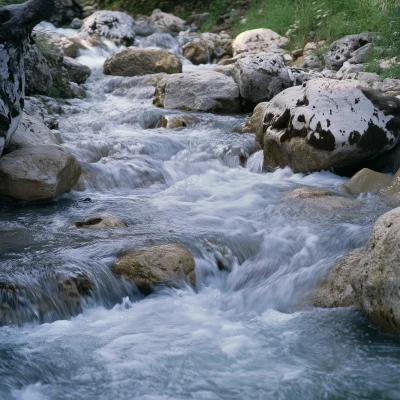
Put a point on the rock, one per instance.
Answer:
(297, 53)
(311, 62)
(225, 69)
(132, 62)
(114, 25)
(368, 79)
(347, 69)
(77, 91)
(38, 173)
(39, 79)
(393, 190)
(306, 193)
(177, 121)
(154, 265)
(76, 23)
(101, 222)
(366, 181)
(391, 85)
(309, 48)
(327, 124)
(167, 23)
(30, 132)
(77, 72)
(376, 278)
(196, 53)
(209, 91)
(342, 50)
(197, 19)
(260, 77)
(335, 290)
(300, 75)
(361, 55)
(257, 40)
(144, 29)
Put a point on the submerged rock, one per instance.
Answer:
(326, 124)
(154, 265)
(101, 222)
(177, 121)
(335, 290)
(132, 62)
(306, 193)
(260, 77)
(366, 181)
(376, 278)
(114, 25)
(257, 40)
(38, 173)
(210, 91)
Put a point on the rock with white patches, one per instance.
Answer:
(326, 124)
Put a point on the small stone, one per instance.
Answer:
(101, 222)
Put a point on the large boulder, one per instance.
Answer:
(114, 25)
(167, 23)
(261, 77)
(154, 265)
(132, 62)
(345, 49)
(336, 290)
(30, 132)
(326, 124)
(77, 72)
(211, 91)
(257, 40)
(38, 173)
(376, 278)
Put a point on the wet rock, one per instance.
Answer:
(376, 278)
(210, 91)
(257, 40)
(306, 193)
(196, 53)
(300, 75)
(177, 121)
(132, 62)
(77, 91)
(144, 29)
(393, 190)
(77, 72)
(101, 222)
(155, 265)
(114, 25)
(30, 132)
(260, 77)
(39, 79)
(167, 23)
(336, 290)
(327, 124)
(38, 173)
(343, 49)
(225, 69)
(366, 181)
(76, 23)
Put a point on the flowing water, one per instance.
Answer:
(245, 331)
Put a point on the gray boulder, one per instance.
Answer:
(211, 91)
(155, 265)
(367, 181)
(144, 29)
(133, 62)
(260, 77)
(167, 23)
(376, 278)
(327, 124)
(343, 49)
(114, 25)
(77, 72)
(300, 75)
(38, 173)
(30, 132)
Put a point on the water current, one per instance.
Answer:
(244, 331)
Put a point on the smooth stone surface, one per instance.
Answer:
(77, 72)
(38, 173)
(366, 181)
(101, 222)
(177, 121)
(153, 265)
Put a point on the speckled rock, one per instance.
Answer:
(376, 278)
(260, 77)
(114, 25)
(209, 91)
(160, 264)
(327, 124)
(257, 40)
(133, 62)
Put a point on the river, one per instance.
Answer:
(245, 331)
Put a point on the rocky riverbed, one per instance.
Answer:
(189, 214)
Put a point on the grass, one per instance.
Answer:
(330, 20)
